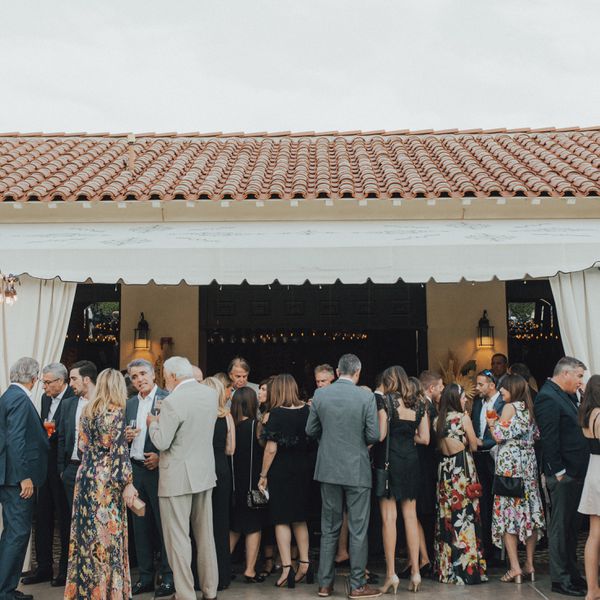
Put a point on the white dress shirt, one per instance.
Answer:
(144, 407)
(55, 403)
(485, 406)
(81, 404)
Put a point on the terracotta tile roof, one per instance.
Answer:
(376, 164)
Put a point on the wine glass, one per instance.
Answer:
(50, 426)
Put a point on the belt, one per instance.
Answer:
(75, 462)
(136, 461)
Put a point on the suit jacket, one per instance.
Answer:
(131, 414)
(23, 440)
(488, 441)
(66, 431)
(562, 441)
(184, 435)
(46, 403)
(343, 417)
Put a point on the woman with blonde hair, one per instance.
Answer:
(98, 560)
(403, 423)
(285, 473)
(224, 447)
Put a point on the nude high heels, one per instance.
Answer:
(415, 583)
(391, 582)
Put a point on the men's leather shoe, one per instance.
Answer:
(325, 592)
(21, 596)
(579, 583)
(364, 591)
(36, 577)
(566, 590)
(142, 588)
(59, 582)
(164, 590)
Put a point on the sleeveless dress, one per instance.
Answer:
(459, 555)
(522, 517)
(590, 497)
(404, 470)
(98, 560)
(221, 502)
(289, 474)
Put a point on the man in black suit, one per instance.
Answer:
(488, 398)
(565, 456)
(23, 464)
(82, 379)
(51, 499)
(147, 530)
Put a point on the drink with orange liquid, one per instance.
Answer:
(491, 414)
(50, 427)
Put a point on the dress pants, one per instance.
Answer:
(147, 530)
(358, 505)
(17, 515)
(176, 514)
(68, 479)
(563, 527)
(485, 465)
(52, 503)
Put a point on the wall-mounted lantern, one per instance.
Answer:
(141, 334)
(485, 332)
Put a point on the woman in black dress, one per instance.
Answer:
(247, 461)
(403, 418)
(285, 473)
(224, 447)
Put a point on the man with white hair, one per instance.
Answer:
(23, 466)
(183, 434)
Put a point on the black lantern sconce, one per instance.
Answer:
(485, 332)
(141, 334)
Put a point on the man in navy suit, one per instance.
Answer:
(565, 456)
(147, 530)
(52, 502)
(23, 465)
(488, 398)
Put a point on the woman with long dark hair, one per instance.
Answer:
(589, 411)
(247, 461)
(402, 419)
(459, 556)
(519, 519)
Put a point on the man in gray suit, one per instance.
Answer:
(183, 435)
(343, 417)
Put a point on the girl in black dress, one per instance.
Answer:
(285, 473)
(247, 461)
(404, 420)
(224, 447)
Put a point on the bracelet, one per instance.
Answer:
(263, 476)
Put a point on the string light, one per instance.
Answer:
(285, 337)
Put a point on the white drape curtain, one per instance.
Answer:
(577, 297)
(36, 326)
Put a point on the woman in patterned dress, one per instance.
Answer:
(98, 562)
(517, 520)
(459, 557)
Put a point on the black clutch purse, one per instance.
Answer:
(512, 487)
(254, 498)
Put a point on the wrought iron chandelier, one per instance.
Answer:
(8, 290)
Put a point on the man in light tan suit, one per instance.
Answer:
(183, 433)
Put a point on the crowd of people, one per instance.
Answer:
(205, 462)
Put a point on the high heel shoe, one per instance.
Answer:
(530, 574)
(415, 583)
(508, 578)
(266, 572)
(308, 575)
(390, 582)
(288, 581)
(257, 578)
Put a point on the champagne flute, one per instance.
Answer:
(157, 406)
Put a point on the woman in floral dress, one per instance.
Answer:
(98, 562)
(459, 557)
(517, 520)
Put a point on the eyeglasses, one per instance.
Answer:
(44, 382)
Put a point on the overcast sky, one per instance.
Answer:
(255, 65)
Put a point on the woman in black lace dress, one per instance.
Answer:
(285, 473)
(404, 419)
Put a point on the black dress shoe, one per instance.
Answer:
(59, 581)
(36, 577)
(21, 596)
(566, 590)
(142, 588)
(164, 590)
(579, 583)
